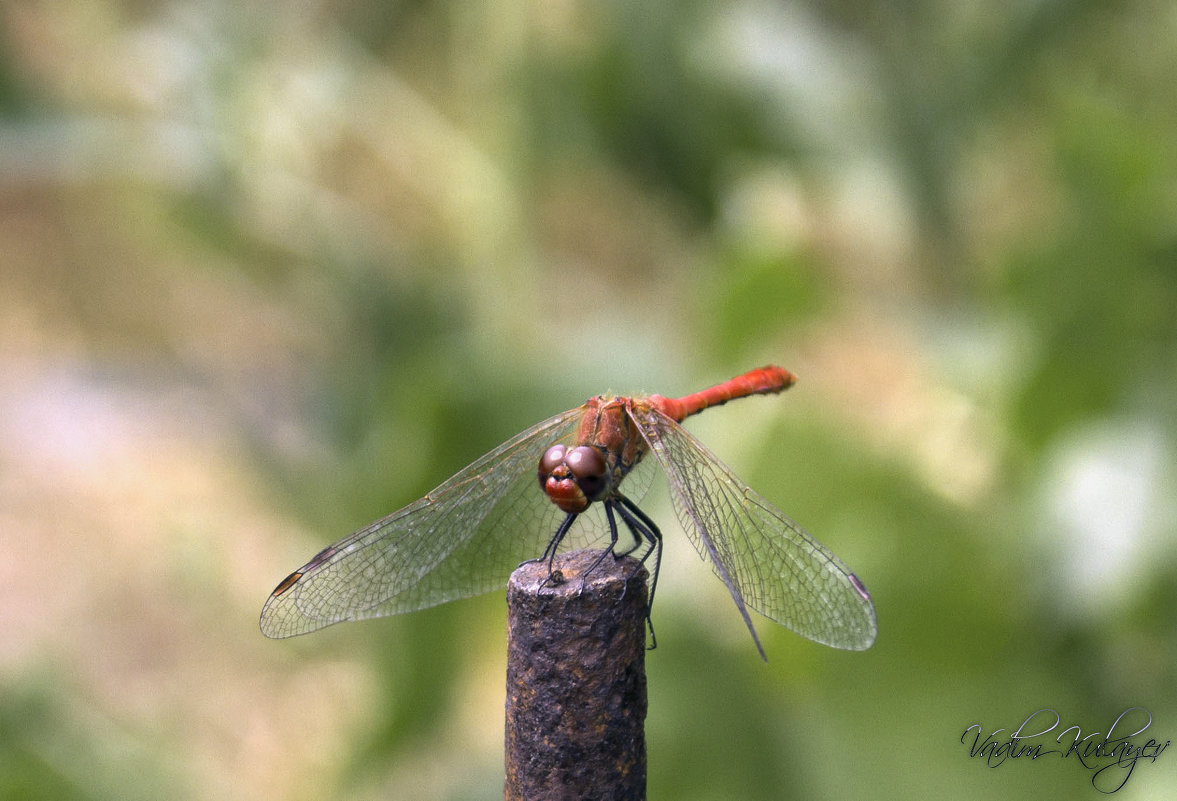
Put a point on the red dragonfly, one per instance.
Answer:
(465, 537)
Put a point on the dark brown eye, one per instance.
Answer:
(553, 457)
(588, 468)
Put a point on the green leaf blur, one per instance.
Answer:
(272, 271)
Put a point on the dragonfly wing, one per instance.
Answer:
(766, 560)
(462, 539)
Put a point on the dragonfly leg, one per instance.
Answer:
(638, 539)
(612, 540)
(640, 524)
(549, 554)
(613, 537)
(643, 529)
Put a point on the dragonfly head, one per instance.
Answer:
(573, 477)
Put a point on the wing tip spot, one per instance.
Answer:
(286, 583)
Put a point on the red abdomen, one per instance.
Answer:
(761, 381)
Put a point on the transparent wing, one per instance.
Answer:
(766, 560)
(462, 539)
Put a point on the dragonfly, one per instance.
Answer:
(465, 537)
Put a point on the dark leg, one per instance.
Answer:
(612, 538)
(643, 529)
(637, 521)
(639, 539)
(549, 553)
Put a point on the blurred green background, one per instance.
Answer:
(269, 271)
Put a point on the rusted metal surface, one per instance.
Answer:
(576, 680)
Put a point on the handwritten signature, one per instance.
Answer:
(1109, 756)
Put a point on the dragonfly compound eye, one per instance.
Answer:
(588, 468)
(559, 481)
(553, 457)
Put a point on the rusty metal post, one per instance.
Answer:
(576, 680)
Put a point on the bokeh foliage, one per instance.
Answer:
(271, 271)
